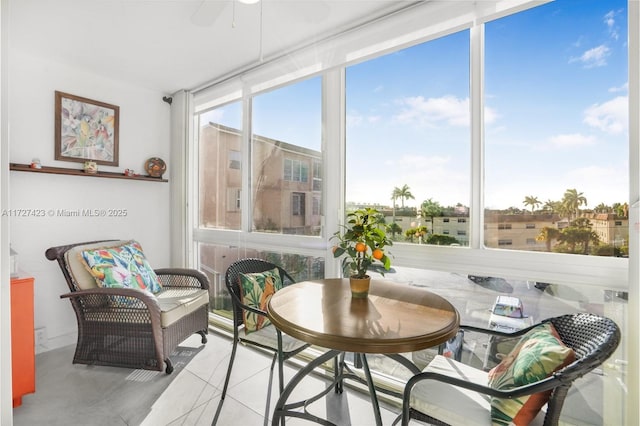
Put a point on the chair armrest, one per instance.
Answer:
(103, 298)
(182, 277)
(488, 331)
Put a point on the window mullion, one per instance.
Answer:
(246, 204)
(476, 105)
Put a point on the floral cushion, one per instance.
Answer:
(537, 355)
(123, 266)
(257, 289)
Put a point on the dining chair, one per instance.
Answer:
(539, 371)
(267, 337)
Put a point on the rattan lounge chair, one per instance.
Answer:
(129, 327)
(448, 392)
(268, 337)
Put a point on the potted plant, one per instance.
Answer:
(362, 241)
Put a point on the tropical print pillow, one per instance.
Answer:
(257, 289)
(537, 355)
(123, 266)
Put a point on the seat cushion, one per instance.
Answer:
(257, 289)
(121, 266)
(175, 303)
(536, 356)
(451, 404)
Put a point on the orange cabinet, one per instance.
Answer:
(22, 339)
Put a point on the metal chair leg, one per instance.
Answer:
(226, 382)
(266, 410)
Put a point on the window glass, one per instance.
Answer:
(508, 304)
(215, 259)
(286, 159)
(220, 166)
(408, 139)
(556, 133)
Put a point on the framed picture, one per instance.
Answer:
(86, 130)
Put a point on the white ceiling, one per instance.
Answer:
(168, 45)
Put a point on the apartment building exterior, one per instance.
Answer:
(286, 183)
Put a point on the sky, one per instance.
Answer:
(555, 112)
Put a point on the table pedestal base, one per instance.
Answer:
(343, 371)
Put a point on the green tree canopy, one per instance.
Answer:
(532, 202)
(572, 201)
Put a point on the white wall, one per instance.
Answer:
(144, 132)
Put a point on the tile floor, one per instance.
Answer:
(191, 397)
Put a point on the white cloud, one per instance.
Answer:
(432, 111)
(610, 21)
(355, 119)
(623, 88)
(610, 117)
(572, 140)
(595, 57)
(428, 176)
(600, 184)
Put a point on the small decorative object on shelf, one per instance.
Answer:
(129, 172)
(363, 242)
(155, 167)
(35, 164)
(90, 167)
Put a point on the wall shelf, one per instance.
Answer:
(79, 172)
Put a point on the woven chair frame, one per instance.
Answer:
(593, 338)
(121, 327)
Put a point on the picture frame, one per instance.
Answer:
(86, 130)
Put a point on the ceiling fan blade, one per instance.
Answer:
(208, 12)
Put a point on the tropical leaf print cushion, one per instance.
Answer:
(257, 289)
(122, 266)
(539, 353)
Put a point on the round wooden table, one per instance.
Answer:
(393, 319)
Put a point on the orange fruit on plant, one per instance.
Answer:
(360, 247)
(377, 254)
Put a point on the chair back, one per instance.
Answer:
(248, 266)
(75, 274)
(594, 339)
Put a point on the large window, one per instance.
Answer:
(408, 139)
(507, 142)
(556, 133)
(220, 166)
(285, 145)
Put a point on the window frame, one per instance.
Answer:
(476, 258)
(594, 271)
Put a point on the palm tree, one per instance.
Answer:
(532, 201)
(580, 232)
(403, 193)
(572, 201)
(551, 206)
(602, 208)
(430, 209)
(394, 197)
